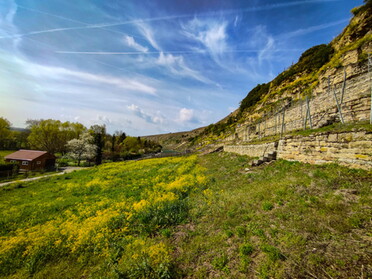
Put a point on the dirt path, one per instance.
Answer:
(66, 170)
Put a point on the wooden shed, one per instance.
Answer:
(32, 160)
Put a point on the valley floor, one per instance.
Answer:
(191, 217)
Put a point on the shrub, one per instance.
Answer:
(246, 249)
(241, 231)
(221, 262)
(267, 206)
(272, 252)
(311, 60)
(254, 96)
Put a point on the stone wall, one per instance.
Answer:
(353, 149)
(356, 105)
(252, 150)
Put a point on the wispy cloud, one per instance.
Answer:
(154, 119)
(177, 66)
(7, 28)
(210, 33)
(170, 17)
(60, 73)
(148, 34)
(129, 84)
(129, 41)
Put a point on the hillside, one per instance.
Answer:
(189, 217)
(340, 66)
(179, 141)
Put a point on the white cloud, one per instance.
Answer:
(154, 119)
(236, 21)
(267, 51)
(187, 115)
(147, 32)
(104, 119)
(211, 33)
(176, 65)
(8, 10)
(129, 41)
(41, 71)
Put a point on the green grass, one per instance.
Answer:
(285, 220)
(109, 221)
(193, 217)
(4, 153)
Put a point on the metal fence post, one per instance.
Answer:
(282, 130)
(370, 81)
(343, 87)
(338, 105)
(308, 114)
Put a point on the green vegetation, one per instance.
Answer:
(134, 147)
(284, 220)
(107, 221)
(205, 217)
(4, 153)
(254, 96)
(52, 135)
(311, 60)
(368, 4)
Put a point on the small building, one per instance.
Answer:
(32, 160)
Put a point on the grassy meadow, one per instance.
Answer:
(189, 217)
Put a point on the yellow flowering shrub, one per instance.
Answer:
(112, 211)
(144, 258)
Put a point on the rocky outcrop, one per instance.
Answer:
(352, 94)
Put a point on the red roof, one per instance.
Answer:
(26, 155)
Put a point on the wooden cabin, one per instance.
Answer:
(32, 160)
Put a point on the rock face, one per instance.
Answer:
(351, 87)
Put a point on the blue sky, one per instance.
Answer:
(150, 66)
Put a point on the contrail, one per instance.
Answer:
(311, 29)
(164, 52)
(104, 25)
(49, 14)
(86, 25)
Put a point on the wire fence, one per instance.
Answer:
(343, 98)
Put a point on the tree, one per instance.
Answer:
(46, 135)
(70, 131)
(98, 132)
(5, 133)
(52, 135)
(81, 148)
